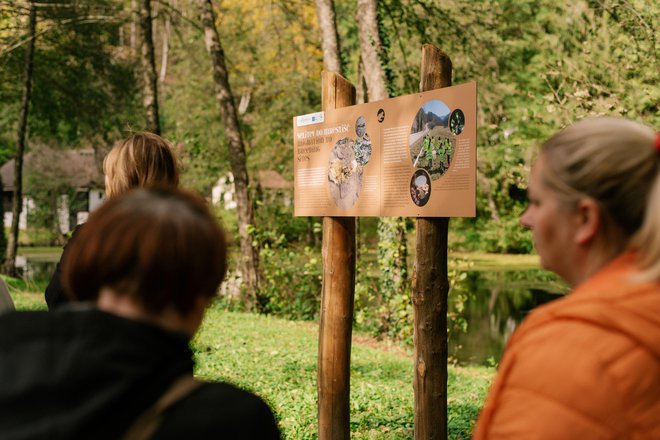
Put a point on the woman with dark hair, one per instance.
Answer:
(587, 366)
(144, 159)
(116, 363)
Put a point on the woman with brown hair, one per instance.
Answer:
(116, 363)
(144, 159)
(587, 366)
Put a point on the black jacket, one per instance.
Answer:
(55, 295)
(86, 374)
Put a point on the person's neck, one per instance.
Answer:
(594, 259)
(126, 307)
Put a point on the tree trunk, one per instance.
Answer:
(165, 48)
(361, 87)
(17, 200)
(249, 253)
(430, 288)
(135, 12)
(325, 11)
(371, 50)
(486, 190)
(391, 231)
(148, 62)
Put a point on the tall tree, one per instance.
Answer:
(224, 96)
(371, 50)
(325, 11)
(148, 62)
(392, 244)
(165, 48)
(17, 201)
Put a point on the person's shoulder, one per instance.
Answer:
(221, 393)
(219, 410)
(23, 320)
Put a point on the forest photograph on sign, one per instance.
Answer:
(413, 155)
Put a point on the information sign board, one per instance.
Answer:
(412, 156)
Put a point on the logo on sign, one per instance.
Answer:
(310, 119)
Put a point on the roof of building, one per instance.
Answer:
(80, 167)
(270, 179)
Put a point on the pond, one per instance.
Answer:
(37, 263)
(490, 296)
(488, 302)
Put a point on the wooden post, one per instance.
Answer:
(430, 288)
(336, 298)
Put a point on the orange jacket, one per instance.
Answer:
(586, 366)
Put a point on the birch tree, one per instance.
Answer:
(225, 98)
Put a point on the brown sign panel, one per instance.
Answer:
(412, 156)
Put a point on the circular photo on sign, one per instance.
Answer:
(457, 121)
(344, 174)
(380, 115)
(431, 141)
(360, 126)
(420, 187)
(362, 149)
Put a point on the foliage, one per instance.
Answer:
(83, 84)
(539, 64)
(383, 305)
(292, 282)
(83, 88)
(47, 186)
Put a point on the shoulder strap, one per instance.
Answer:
(146, 424)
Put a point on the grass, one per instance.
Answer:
(27, 295)
(276, 359)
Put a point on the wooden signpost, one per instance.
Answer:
(430, 285)
(337, 294)
(430, 288)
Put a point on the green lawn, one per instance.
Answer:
(276, 359)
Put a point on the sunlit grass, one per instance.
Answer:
(277, 359)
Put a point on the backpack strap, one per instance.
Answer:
(145, 425)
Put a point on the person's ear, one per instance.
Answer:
(587, 221)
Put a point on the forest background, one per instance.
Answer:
(539, 64)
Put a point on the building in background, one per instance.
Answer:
(74, 175)
(269, 185)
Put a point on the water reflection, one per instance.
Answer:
(35, 269)
(485, 307)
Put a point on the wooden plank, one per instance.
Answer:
(430, 288)
(337, 296)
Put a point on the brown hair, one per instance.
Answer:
(144, 159)
(159, 245)
(613, 161)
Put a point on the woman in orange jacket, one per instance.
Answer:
(587, 366)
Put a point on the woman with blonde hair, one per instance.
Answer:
(142, 160)
(587, 366)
